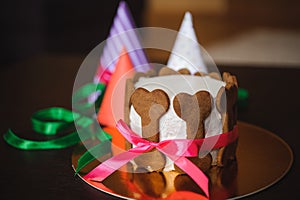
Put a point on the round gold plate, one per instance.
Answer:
(262, 160)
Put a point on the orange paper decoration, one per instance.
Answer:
(118, 145)
(118, 140)
(112, 106)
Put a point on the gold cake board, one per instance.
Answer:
(262, 160)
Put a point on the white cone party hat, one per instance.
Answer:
(186, 52)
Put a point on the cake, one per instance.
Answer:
(172, 105)
(168, 105)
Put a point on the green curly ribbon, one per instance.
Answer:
(91, 154)
(53, 121)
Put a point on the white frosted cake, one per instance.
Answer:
(172, 94)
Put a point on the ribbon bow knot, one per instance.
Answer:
(177, 150)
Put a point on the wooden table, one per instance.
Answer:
(48, 80)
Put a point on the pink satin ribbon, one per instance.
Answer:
(177, 150)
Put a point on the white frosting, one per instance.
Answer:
(170, 125)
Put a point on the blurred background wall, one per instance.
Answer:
(241, 32)
(34, 27)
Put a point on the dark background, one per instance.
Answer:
(33, 27)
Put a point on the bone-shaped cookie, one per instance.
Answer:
(215, 75)
(194, 109)
(151, 183)
(150, 106)
(226, 104)
(129, 89)
(138, 75)
(184, 182)
(166, 71)
(228, 78)
(184, 71)
(199, 74)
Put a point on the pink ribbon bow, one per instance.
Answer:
(177, 150)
